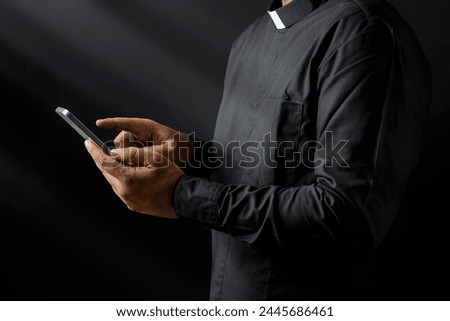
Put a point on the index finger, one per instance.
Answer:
(116, 123)
(143, 128)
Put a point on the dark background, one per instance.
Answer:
(63, 233)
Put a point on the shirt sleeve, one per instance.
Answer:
(367, 103)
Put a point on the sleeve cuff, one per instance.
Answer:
(195, 199)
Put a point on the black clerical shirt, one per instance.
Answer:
(321, 123)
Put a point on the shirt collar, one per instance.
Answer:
(286, 16)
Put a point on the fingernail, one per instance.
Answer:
(86, 143)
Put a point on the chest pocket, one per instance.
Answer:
(275, 125)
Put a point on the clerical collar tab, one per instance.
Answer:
(285, 16)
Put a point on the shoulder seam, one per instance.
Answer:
(340, 46)
(365, 10)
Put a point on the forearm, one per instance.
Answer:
(272, 214)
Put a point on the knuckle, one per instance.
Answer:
(119, 138)
(123, 139)
(133, 153)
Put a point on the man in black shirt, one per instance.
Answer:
(321, 123)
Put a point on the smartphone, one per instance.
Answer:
(80, 128)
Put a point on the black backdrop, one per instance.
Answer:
(63, 234)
